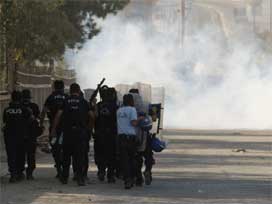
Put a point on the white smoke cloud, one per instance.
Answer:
(215, 83)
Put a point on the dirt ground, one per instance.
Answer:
(201, 168)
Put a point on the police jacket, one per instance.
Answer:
(16, 118)
(54, 102)
(106, 121)
(34, 129)
(33, 107)
(75, 113)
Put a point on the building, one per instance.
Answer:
(161, 16)
(37, 77)
(257, 13)
(261, 16)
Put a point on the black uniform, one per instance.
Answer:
(105, 139)
(34, 131)
(16, 119)
(75, 135)
(86, 155)
(53, 103)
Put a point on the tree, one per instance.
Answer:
(43, 29)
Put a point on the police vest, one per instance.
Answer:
(54, 102)
(16, 119)
(106, 116)
(75, 112)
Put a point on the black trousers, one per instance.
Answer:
(145, 157)
(30, 155)
(57, 155)
(57, 152)
(127, 148)
(15, 154)
(74, 149)
(86, 160)
(105, 153)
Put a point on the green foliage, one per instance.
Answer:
(42, 29)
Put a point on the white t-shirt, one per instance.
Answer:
(125, 115)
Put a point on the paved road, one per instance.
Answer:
(201, 168)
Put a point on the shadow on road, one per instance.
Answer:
(181, 175)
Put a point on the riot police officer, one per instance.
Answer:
(34, 131)
(77, 119)
(105, 134)
(86, 155)
(52, 104)
(16, 119)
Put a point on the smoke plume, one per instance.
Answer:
(214, 81)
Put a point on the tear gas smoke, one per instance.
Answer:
(215, 82)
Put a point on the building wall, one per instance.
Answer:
(38, 78)
(259, 15)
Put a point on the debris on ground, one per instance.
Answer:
(239, 150)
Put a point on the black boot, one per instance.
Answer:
(20, 177)
(63, 180)
(139, 181)
(148, 177)
(127, 185)
(81, 181)
(59, 172)
(111, 179)
(101, 175)
(110, 175)
(75, 177)
(12, 178)
(29, 176)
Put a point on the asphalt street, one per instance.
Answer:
(195, 168)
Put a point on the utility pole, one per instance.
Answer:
(270, 16)
(182, 34)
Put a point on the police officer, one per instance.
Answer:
(34, 131)
(16, 119)
(77, 119)
(127, 120)
(105, 134)
(52, 104)
(86, 155)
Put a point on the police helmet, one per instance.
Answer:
(112, 95)
(134, 91)
(145, 123)
(157, 144)
(26, 94)
(103, 92)
(58, 85)
(75, 88)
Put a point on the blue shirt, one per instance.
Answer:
(125, 115)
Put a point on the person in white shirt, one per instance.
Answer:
(127, 120)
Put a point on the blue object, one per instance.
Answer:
(157, 144)
(145, 124)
